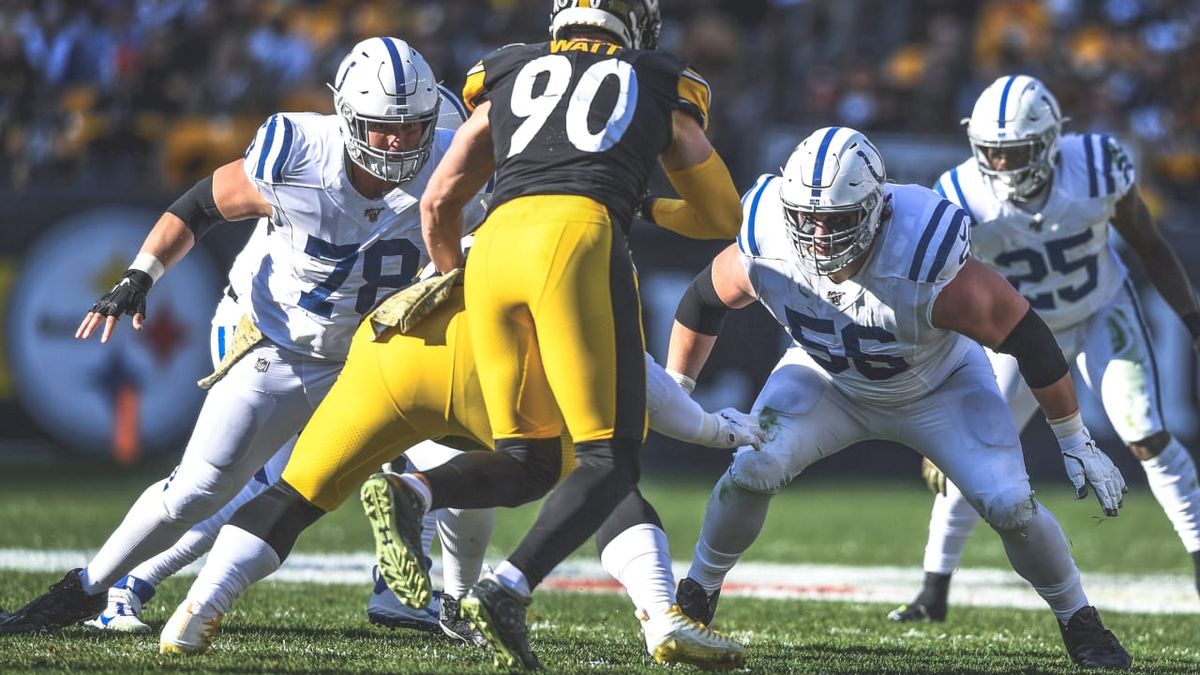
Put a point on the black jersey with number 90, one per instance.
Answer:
(582, 117)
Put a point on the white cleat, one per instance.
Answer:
(671, 637)
(188, 632)
(123, 613)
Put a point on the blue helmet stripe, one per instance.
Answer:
(1093, 188)
(397, 66)
(1004, 99)
(266, 148)
(914, 271)
(820, 163)
(448, 95)
(962, 198)
(943, 252)
(285, 149)
(752, 240)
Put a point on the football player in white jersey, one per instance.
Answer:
(1041, 206)
(132, 591)
(339, 195)
(877, 288)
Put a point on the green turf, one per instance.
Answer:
(814, 520)
(306, 628)
(291, 628)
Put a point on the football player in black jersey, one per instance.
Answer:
(572, 129)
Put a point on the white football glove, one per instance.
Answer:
(736, 429)
(1087, 465)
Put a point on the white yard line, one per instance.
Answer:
(1152, 594)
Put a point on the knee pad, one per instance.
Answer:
(758, 471)
(195, 491)
(540, 459)
(277, 516)
(1011, 510)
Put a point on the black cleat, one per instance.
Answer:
(498, 612)
(457, 627)
(697, 604)
(929, 605)
(65, 604)
(395, 511)
(916, 611)
(1090, 644)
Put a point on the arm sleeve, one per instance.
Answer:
(710, 208)
(671, 411)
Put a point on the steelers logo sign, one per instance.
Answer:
(136, 394)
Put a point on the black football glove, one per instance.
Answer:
(127, 297)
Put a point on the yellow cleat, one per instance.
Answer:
(188, 632)
(395, 512)
(671, 637)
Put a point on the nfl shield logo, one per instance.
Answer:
(834, 297)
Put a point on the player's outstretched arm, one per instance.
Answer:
(711, 207)
(982, 305)
(1132, 219)
(673, 413)
(228, 194)
(460, 175)
(721, 286)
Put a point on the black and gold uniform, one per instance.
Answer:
(577, 128)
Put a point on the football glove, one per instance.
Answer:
(1087, 465)
(127, 297)
(934, 478)
(736, 429)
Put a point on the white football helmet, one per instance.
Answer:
(1016, 118)
(835, 176)
(635, 23)
(382, 79)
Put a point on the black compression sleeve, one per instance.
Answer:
(1038, 355)
(197, 208)
(700, 308)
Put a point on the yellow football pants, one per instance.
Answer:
(555, 321)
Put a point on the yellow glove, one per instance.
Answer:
(404, 309)
(934, 478)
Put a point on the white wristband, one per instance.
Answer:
(1069, 430)
(149, 264)
(685, 383)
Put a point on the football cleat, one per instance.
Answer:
(917, 611)
(385, 609)
(1090, 644)
(64, 604)
(124, 611)
(696, 603)
(498, 612)
(188, 631)
(395, 512)
(671, 637)
(456, 626)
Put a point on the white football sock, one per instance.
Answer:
(146, 530)
(1172, 478)
(640, 558)
(237, 560)
(950, 525)
(512, 577)
(193, 544)
(1041, 554)
(465, 534)
(732, 521)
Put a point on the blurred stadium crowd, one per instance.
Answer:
(162, 91)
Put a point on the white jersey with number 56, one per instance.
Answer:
(871, 334)
(1060, 259)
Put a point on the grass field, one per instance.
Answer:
(284, 627)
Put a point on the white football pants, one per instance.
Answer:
(962, 427)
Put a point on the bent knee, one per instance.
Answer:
(1150, 446)
(758, 471)
(1011, 511)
